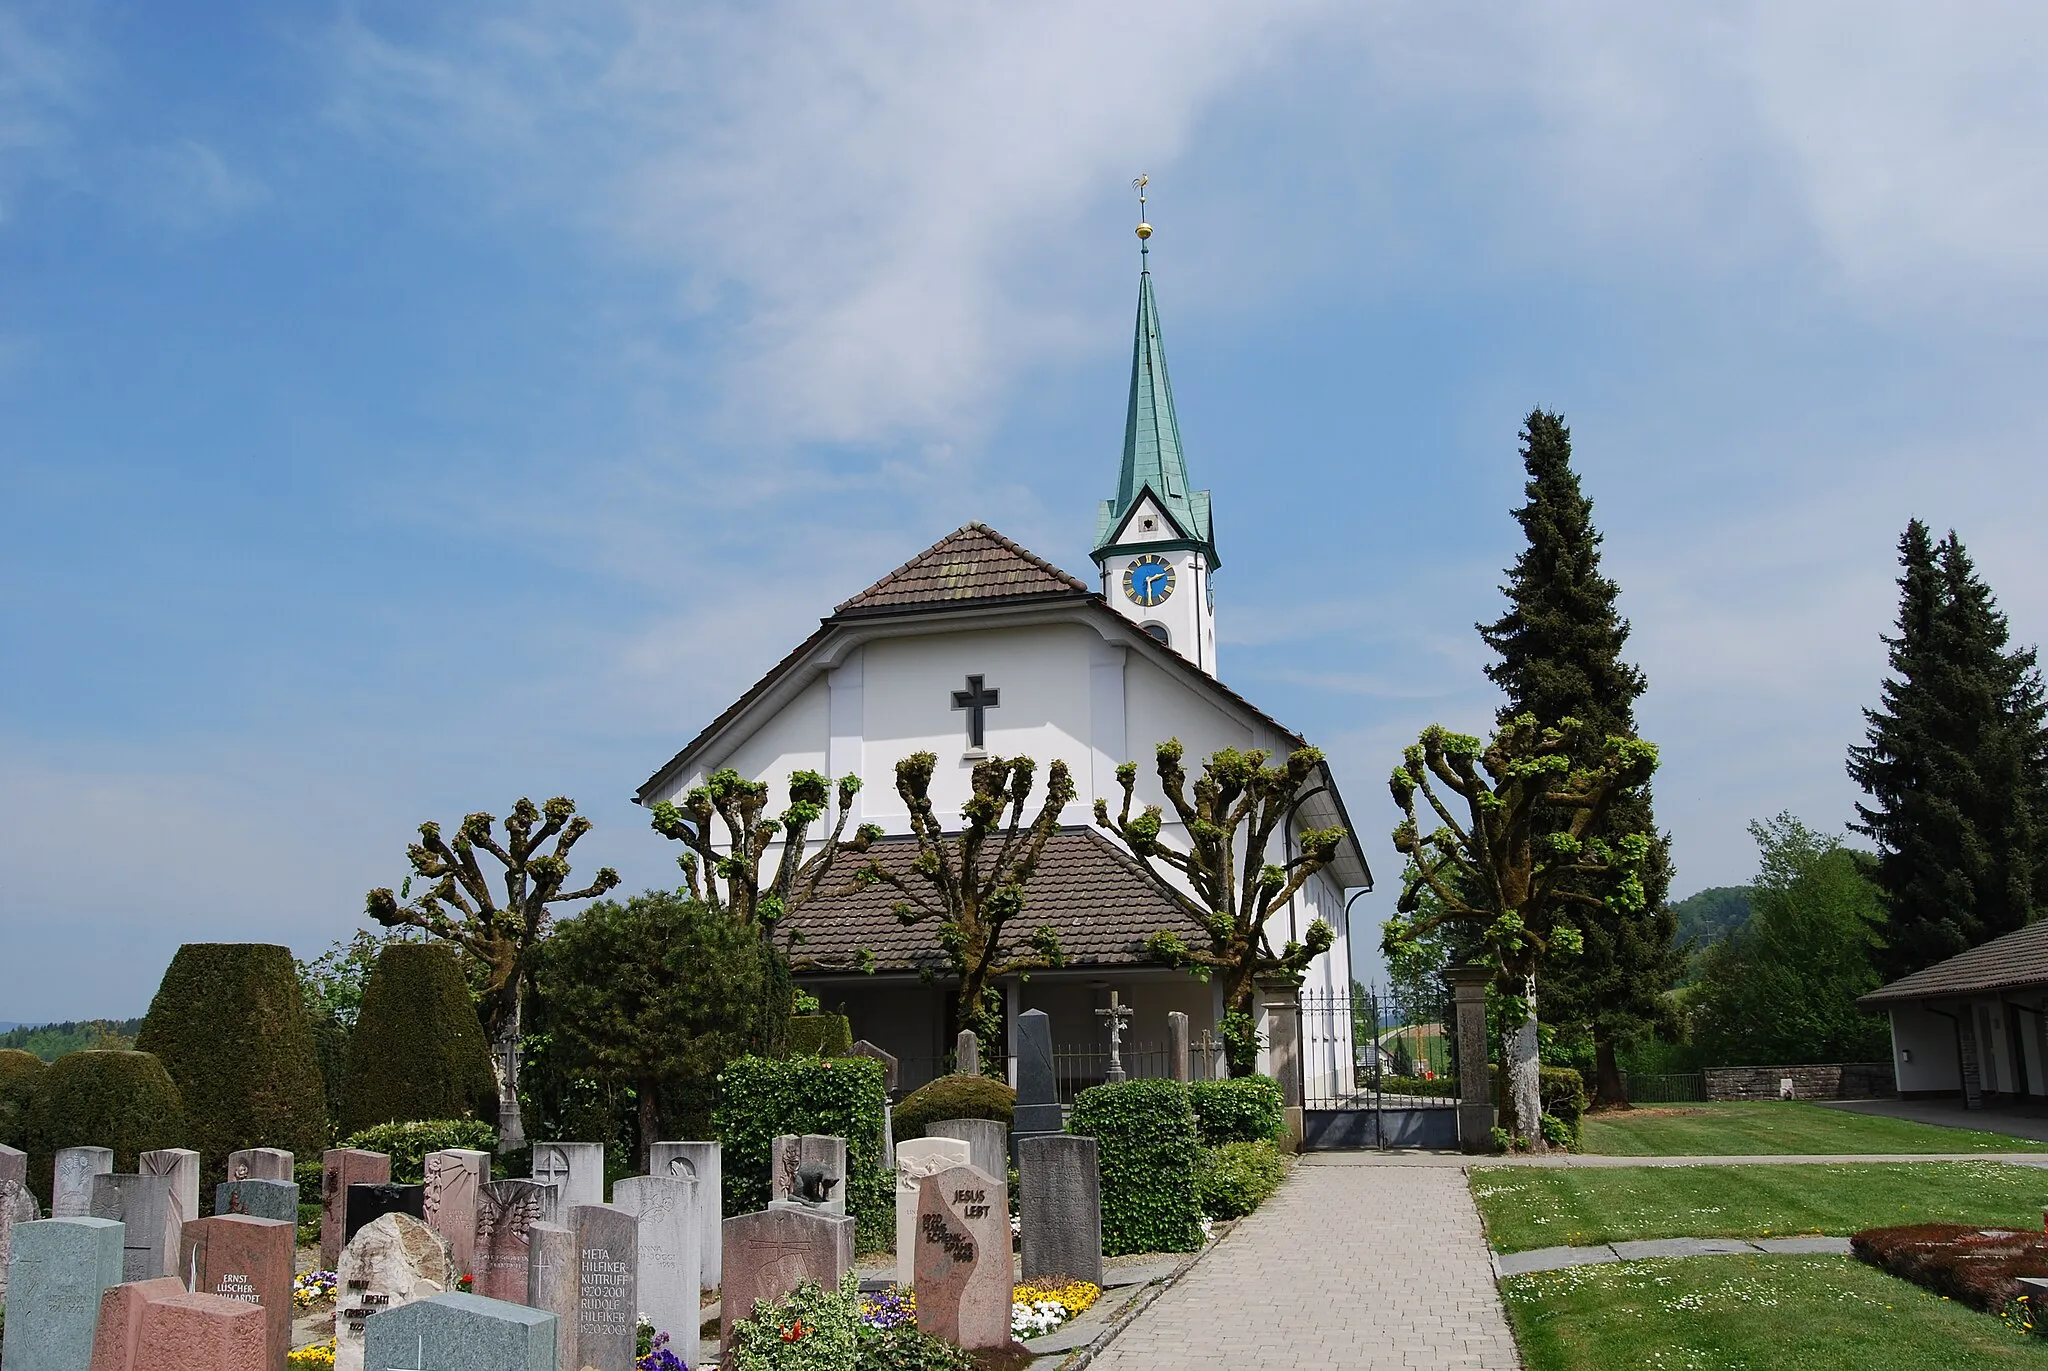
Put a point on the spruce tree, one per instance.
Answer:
(1955, 763)
(1560, 657)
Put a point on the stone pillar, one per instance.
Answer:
(1475, 1100)
(1177, 1047)
(1279, 1009)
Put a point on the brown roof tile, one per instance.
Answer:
(1100, 901)
(970, 563)
(2007, 963)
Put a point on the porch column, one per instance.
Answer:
(1475, 1101)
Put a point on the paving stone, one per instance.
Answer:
(1552, 1259)
(1652, 1248)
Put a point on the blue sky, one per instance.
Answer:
(401, 414)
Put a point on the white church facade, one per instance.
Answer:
(978, 647)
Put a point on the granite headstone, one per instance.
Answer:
(119, 1329)
(917, 1158)
(1059, 1208)
(13, 1164)
(57, 1272)
(17, 1207)
(704, 1163)
(607, 1300)
(576, 1170)
(988, 1141)
(261, 1164)
(966, 1053)
(181, 1164)
(771, 1253)
(892, 1074)
(809, 1170)
(963, 1258)
(370, 1202)
(453, 1177)
(1177, 1064)
(670, 1231)
(505, 1210)
(148, 1215)
(72, 1172)
(553, 1280)
(241, 1258)
(1038, 1097)
(395, 1260)
(160, 1326)
(340, 1168)
(258, 1199)
(462, 1333)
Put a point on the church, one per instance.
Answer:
(978, 647)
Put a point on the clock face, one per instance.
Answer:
(1148, 580)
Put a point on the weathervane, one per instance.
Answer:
(1144, 229)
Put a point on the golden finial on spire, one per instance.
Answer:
(1144, 229)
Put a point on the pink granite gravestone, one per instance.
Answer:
(771, 1253)
(159, 1326)
(120, 1326)
(505, 1210)
(242, 1258)
(963, 1258)
(340, 1168)
(452, 1178)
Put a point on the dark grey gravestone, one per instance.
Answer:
(1038, 1097)
(370, 1202)
(988, 1142)
(147, 1210)
(258, 1199)
(59, 1270)
(460, 1333)
(607, 1287)
(891, 1068)
(1059, 1208)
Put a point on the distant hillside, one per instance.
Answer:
(1712, 914)
(52, 1040)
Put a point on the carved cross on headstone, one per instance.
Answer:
(977, 702)
(1115, 1016)
(551, 1167)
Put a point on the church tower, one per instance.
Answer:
(1154, 544)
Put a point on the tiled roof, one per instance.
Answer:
(970, 563)
(2007, 963)
(1103, 905)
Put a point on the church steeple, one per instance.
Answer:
(1157, 519)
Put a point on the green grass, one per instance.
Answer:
(1528, 1207)
(1757, 1313)
(1774, 1127)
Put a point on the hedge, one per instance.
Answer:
(1238, 1176)
(1563, 1092)
(418, 1050)
(1151, 1159)
(760, 1098)
(820, 1035)
(408, 1143)
(1243, 1109)
(229, 1024)
(122, 1100)
(18, 1073)
(954, 1097)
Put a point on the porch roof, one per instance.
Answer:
(2014, 962)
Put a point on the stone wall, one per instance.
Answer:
(1835, 1081)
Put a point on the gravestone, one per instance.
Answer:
(809, 1171)
(200, 1332)
(553, 1274)
(258, 1199)
(670, 1231)
(452, 1179)
(704, 1163)
(576, 1170)
(963, 1258)
(966, 1053)
(261, 1164)
(769, 1254)
(57, 1272)
(240, 1258)
(462, 1333)
(150, 1227)
(916, 1159)
(395, 1260)
(340, 1168)
(988, 1142)
(1038, 1096)
(181, 1164)
(891, 1069)
(1177, 1065)
(119, 1330)
(71, 1183)
(17, 1207)
(607, 1298)
(505, 1210)
(369, 1202)
(1059, 1208)
(13, 1164)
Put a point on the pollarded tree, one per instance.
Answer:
(730, 802)
(1234, 812)
(972, 885)
(1506, 869)
(460, 907)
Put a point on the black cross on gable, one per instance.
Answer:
(977, 702)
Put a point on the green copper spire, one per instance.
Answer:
(1152, 451)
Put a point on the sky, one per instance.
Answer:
(407, 408)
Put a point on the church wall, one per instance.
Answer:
(793, 739)
(1924, 1050)
(1158, 706)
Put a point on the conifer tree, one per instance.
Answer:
(1956, 766)
(1560, 646)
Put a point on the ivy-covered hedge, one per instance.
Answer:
(418, 1050)
(1238, 1176)
(1563, 1092)
(954, 1097)
(1151, 1157)
(229, 1024)
(409, 1143)
(820, 1035)
(18, 1073)
(122, 1100)
(1242, 1109)
(760, 1098)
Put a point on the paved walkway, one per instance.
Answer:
(1580, 1160)
(1558, 1258)
(1351, 1265)
(2026, 1119)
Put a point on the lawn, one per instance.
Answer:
(1758, 1313)
(1776, 1127)
(1528, 1207)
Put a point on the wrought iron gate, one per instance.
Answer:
(1377, 1072)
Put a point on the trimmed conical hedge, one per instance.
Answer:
(418, 1051)
(18, 1072)
(122, 1100)
(230, 1026)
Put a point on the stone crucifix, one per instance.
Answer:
(1115, 1017)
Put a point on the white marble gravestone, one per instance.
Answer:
(671, 1232)
(916, 1159)
(576, 1170)
(704, 1163)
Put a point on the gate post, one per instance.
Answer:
(1475, 1099)
(1279, 1005)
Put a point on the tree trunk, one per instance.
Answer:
(1525, 1095)
(505, 1066)
(650, 1122)
(1609, 1090)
